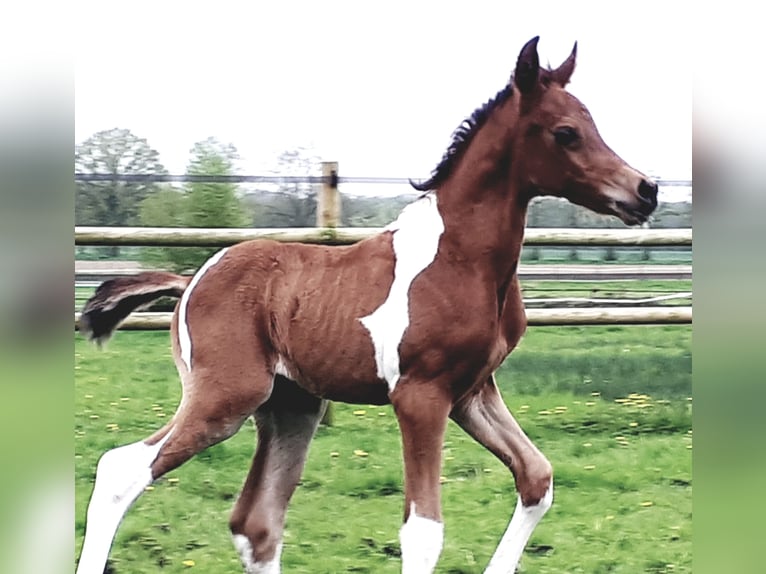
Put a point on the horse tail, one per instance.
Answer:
(115, 299)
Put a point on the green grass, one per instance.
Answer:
(610, 407)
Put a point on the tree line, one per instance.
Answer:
(200, 204)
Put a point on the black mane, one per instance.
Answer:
(461, 137)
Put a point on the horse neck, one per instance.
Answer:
(483, 208)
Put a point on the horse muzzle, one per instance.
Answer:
(641, 206)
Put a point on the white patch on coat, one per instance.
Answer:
(121, 476)
(421, 541)
(184, 337)
(416, 239)
(281, 369)
(245, 549)
(525, 518)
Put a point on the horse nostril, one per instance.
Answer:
(647, 190)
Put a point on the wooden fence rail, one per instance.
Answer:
(202, 237)
(148, 321)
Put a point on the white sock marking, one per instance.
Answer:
(416, 239)
(524, 520)
(184, 338)
(121, 476)
(421, 541)
(245, 549)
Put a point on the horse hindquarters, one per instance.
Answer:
(223, 384)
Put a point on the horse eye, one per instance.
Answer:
(566, 136)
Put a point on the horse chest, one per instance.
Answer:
(510, 328)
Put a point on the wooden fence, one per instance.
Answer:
(205, 237)
(148, 321)
(132, 236)
(327, 232)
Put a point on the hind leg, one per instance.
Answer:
(123, 473)
(286, 425)
(121, 476)
(486, 418)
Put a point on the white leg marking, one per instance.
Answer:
(525, 518)
(416, 240)
(421, 541)
(184, 338)
(245, 549)
(121, 476)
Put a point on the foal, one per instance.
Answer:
(419, 316)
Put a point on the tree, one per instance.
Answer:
(295, 204)
(114, 203)
(213, 204)
(198, 204)
(165, 208)
(372, 211)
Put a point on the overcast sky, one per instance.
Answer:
(378, 87)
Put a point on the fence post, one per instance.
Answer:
(328, 215)
(328, 202)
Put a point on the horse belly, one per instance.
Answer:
(316, 307)
(328, 351)
(336, 364)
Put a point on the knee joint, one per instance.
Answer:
(535, 486)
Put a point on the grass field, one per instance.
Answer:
(610, 407)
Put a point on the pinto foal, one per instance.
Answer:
(419, 316)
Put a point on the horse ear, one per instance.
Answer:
(562, 74)
(527, 67)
